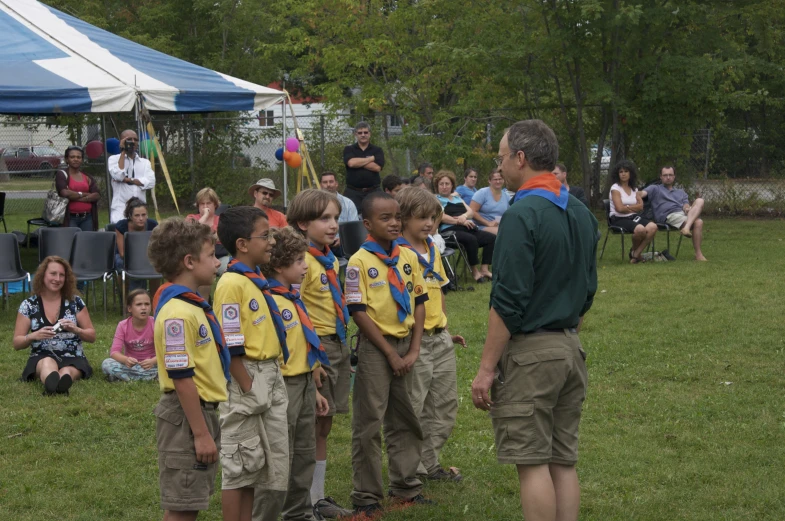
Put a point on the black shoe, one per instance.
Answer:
(328, 508)
(369, 511)
(441, 474)
(667, 255)
(64, 384)
(51, 383)
(419, 499)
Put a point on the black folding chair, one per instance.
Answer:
(92, 258)
(451, 241)
(41, 223)
(11, 265)
(111, 227)
(222, 208)
(137, 264)
(353, 235)
(2, 210)
(615, 230)
(667, 228)
(56, 241)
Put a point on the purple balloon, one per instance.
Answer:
(292, 145)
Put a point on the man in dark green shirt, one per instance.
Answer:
(544, 281)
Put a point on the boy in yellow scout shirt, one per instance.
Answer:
(435, 381)
(386, 296)
(193, 367)
(314, 213)
(254, 433)
(286, 268)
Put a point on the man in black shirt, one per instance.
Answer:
(363, 162)
(560, 171)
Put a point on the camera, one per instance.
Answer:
(57, 327)
(129, 147)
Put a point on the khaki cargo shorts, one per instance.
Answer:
(186, 484)
(336, 388)
(538, 396)
(676, 219)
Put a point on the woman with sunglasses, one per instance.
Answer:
(81, 191)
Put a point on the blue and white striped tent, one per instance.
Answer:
(51, 62)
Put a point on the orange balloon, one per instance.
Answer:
(287, 155)
(294, 160)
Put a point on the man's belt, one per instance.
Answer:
(81, 215)
(553, 330)
(363, 190)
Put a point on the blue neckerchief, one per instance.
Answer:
(327, 259)
(316, 352)
(426, 264)
(397, 288)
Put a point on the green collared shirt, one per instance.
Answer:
(544, 265)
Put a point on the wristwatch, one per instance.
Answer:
(80, 194)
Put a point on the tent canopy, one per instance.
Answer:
(54, 63)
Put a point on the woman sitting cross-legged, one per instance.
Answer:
(626, 205)
(53, 323)
(132, 356)
(458, 218)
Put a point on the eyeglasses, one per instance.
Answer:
(500, 159)
(363, 133)
(265, 237)
(265, 192)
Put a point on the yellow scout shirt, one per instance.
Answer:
(434, 313)
(184, 347)
(245, 318)
(367, 289)
(315, 294)
(295, 339)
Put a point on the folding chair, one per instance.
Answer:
(137, 264)
(56, 241)
(2, 210)
(451, 241)
(616, 230)
(11, 265)
(353, 235)
(42, 223)
(92, 258)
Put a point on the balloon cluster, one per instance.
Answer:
(289, 153)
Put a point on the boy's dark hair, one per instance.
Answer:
(172, 240)
(288, 246)
(625, 164)
(238, 222)
(417, 203)
(371, 199)
(391, 182)
(308, 206)
(131, 205)
(129, 299)
(561, 167)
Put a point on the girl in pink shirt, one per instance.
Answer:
(132, 356)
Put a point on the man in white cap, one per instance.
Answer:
(264, 192)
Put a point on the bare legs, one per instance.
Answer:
(237, 504)
(697, 238)
(549, 492)
(693, 226)
(641, 238)
(46, 366)
(323, 427)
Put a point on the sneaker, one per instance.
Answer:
(368, 511)
(441, 474)
(317, 516)
(329, 509)
(419, 499)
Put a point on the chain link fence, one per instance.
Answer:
(229, 154)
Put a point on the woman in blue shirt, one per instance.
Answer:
(469, 186)
(489, 203)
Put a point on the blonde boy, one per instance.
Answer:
(193, 367)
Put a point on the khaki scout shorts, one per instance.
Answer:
(186, 485)
(244, 444)
(538, 397)
(336, 388)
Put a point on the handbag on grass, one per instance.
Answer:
(55, 206)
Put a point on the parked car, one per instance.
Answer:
(605, 161)
(39, 159)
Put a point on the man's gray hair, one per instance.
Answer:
(423, 167)
(537, 141)
(362, 124)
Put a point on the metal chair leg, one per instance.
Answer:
(607, 234)
(678, 247)
(622, 247)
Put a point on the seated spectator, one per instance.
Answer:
(329, 183)
(392, 184)
(136, 220)
(576, 191)
(671, 205)
(457, 218)
(425, 171)
(207, 202)
(423, 183)
(626, 206)
(264, 193)
(490, 203)
(132, 356)
(54, 322)
(469, 186)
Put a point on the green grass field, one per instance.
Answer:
(684, 419)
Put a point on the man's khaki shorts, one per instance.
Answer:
(538, 396)
(186, 485)
(336, 388)
(245, 448)
(676, 219)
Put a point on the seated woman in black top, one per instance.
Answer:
(53, 323)
(135, 221)
(458, 218)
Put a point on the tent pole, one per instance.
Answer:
(283, 144)
(106, 163)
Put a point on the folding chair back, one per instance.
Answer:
(353, 235)
(11, 263)
(56, 241)
(137, 264)
(2, 210)
(92, 258)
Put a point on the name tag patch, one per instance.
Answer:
(259, 320)
(231, 318)
(378, 283)
(324, 288)
(291, 325)
(235, 340)
(178, 361)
